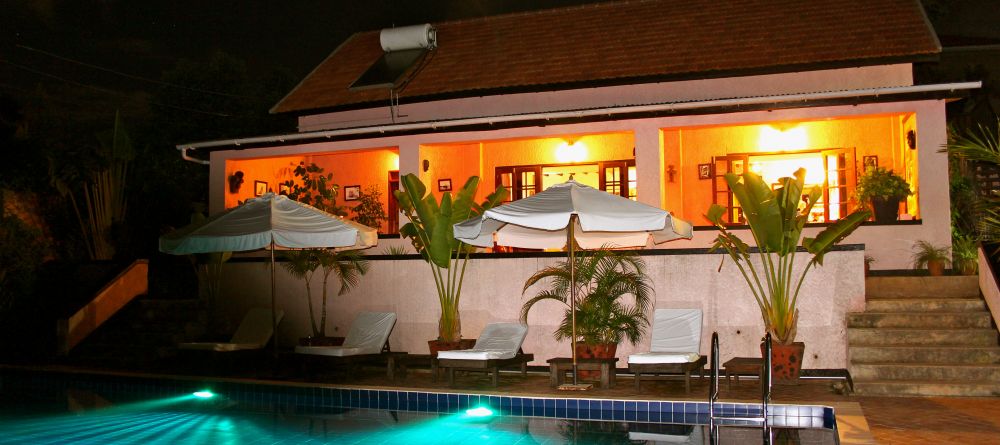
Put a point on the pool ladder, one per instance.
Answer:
(765, 389)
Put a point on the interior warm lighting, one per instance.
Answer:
(395, 162)
(575, 152)
(783, 138)
(772, 168)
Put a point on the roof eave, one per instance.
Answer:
(620, 81)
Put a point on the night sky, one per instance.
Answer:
(50, 41)
(104, 53)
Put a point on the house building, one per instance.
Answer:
(654, 100)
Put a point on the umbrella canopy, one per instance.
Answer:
(572, 211)
(270, 221)
(541, 221)
(270, 218)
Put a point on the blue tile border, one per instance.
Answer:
(266, 396)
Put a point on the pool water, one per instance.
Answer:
(59, 414)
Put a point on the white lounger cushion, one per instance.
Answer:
(498, 341)
(368, 334)
(253, 333)
(334, 351)
(663, 357)
(219, 347)
(676, 337)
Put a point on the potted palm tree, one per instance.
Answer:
(964, 253)
(933, 258)
(430, 231)
(776, 219)
(883, 190)
(614, 294)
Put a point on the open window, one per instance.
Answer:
(833, 170)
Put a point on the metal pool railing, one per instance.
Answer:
(765, 388)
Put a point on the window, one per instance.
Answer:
(833, 170)
(615, 177)
(520, 182)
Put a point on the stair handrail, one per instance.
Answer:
(122, 289)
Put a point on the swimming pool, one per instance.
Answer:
(55, 408)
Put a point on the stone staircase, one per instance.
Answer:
(924, 336)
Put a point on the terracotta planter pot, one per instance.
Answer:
(885, 210)
(438, 345)
(786, 361)
(935, 268)
(584, 350)
(966, 267)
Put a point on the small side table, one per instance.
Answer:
(558, 367)
(743, 365)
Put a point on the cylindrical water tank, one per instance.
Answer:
(408, 37)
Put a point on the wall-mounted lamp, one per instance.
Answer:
(911, 139)
(671, 171)
(571, 152)
(427, 165)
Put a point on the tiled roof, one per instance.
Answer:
(629, 42)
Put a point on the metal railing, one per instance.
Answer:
(765, 388)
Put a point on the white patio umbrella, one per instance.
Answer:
(270, 221)
(567, 211)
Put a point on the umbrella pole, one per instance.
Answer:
(274, 316)
(576, 385)
(572, 289)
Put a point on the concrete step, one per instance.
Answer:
(921, 337)
(925, 354)
(925, 371)
(965, 286)
(925, 304)
(926, 388)
(953, 320)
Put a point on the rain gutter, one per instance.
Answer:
(574, 114)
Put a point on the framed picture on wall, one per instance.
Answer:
(738, 167)
(284, 189)
(869, 162)
(444, 185)
(352, 192)
(704, 171)
(259, 188)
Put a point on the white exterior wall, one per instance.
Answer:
(583, 98)
(492, 292)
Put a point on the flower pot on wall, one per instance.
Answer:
(436, 346)
(886, 210)
(584, 350)
(935, 268)
(786, 361)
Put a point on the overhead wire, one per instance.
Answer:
(105, 90)
(131, 76)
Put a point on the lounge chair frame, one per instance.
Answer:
(491, 366)
(686, 369)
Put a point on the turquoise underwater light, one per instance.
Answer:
(203, 394)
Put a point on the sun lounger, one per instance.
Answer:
(367, 342)
(498, 346)
(254, 333)
(675, 346)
